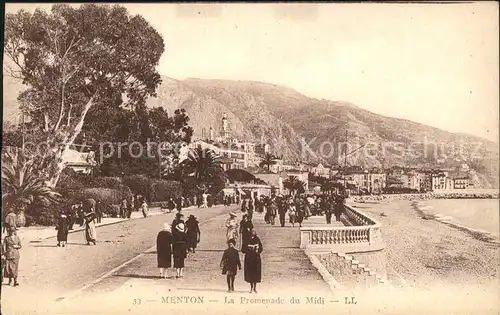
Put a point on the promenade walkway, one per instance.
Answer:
(33, 234)
(286, 272)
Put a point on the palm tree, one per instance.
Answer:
(268, 160)
(294, 185)
(205, 167)
(21, 186)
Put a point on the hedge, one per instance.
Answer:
(163, 190)
(141, 185)
(106, 196)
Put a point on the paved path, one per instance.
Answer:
(287, 273)
(47, 272)
(38, 233)
(135, 287)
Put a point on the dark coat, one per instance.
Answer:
(62, 228)
(230, 261)
(179, 244)
(253, 263)
(164, 249)
(193, 233)
(246, 233)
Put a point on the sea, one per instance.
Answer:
(477, 214)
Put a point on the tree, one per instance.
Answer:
(294, 185)
(73, 59)
(161, 136)
(268, 160)
(205, 167)
(20, 185)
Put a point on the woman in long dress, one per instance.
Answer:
(62, 228)
(193, 233)
(232, 227)
(246, 227)
(90, 231)
(253, 262)
(164, 250)
(11, 246)
(179, 248)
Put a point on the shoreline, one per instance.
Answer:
(427, 196)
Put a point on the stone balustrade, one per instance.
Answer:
(362, 234)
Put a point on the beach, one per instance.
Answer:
(426, 254)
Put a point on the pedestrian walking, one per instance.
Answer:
(193, 233)
(244, 205)
(130, 207)
(90, 230)
(232, 227)
(98, 212)
(179, 218)
(170, 205)
(205, 200)
(339, 208)
(282, 212)
(144, 208)
(11, 247)
(164, 242)
(246, 227)
(291, 213)
(179, 204)
(179, 248)
(250, 209)
(271, 211)
(230, 263)
(123, 209)
(62, 228)
(253, 262)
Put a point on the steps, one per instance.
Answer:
(363, 270)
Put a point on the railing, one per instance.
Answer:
(363, 234)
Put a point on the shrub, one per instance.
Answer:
(112, 183)
(69, 187)
(107, 182)
(140, 184)
(165, 189)
(106, 196)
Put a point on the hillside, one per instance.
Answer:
(282, 117)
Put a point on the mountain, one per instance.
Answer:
(303, 128)
(283, 117)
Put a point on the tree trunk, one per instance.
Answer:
(60, 163)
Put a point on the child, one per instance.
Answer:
(230, 260)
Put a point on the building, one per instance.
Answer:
(321, 171)
(460, 182)
(373, 181)
(438, 181)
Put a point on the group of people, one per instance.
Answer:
(298, 207)
(251, 247)
(88, 217)
(177, 241)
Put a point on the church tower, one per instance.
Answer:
(225, 127)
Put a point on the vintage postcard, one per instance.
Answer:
(245, 158)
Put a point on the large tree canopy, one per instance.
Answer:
(73, 59)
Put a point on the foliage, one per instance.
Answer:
(21, 186)
(106, 196)
(139, 184)
(165, 189)
(268, 160)
(205, 167)
(73, 59)
(294, 185)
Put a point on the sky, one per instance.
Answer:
(431, 63)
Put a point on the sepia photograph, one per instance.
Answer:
(246, 158)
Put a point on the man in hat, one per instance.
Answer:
(232, 227)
